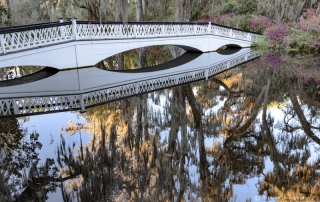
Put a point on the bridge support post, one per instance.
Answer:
(136, 86)
(209, 28)
(83, 108)
(74, 28)
(14, 106)
(206, 73)
(177, 30)
(135, 31)
(2, 41)
(62, 29)
(246, 57)
(230, 33)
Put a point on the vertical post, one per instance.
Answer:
(177, 29)
(83, 108)
(162, 30)
(14, 106)
(135, 31)
(74, 28)
(206, 73)
(120, 30)
(228, 64)
(209, 28)
(249, 37)
(176, 79)
(2, 41)
(62, 29)
(137, 88)
(230, 33)
(246, 58)
(194, 29)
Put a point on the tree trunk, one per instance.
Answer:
(305, 124)
(139, 11)
(197, 114)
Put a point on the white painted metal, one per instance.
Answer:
(99, 86)
(90, 43)
(87, 53)
(17, 41)
(22, 40)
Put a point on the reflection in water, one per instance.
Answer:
(156, 147)
(138, 58)
(8, 73)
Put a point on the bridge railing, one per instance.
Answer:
(31, 36)
(25, 37)
(49, 104)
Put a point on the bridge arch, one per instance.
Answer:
(183, 59)
(229, 49)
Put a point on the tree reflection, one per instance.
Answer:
(184, 143)
(22, 176)
(151, 169)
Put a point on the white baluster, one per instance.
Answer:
(177, 30)
(249, 37)
(176, 80)
(62, 29)
(14, 106)
(135, 31)
(230, 33)
(83, 109)
(209, 28)
(2, 41)
(74, 28)
(195, 29)
(162, 30)
(206, 73)
(246, 58)
(137, 88)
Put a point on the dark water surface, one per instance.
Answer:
(249, 133)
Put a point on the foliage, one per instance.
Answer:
(260, 23)
(245, 7)
(236, 21)
(5, 16)
(276, 34)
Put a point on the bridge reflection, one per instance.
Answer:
(78, 89)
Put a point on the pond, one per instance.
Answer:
(250, 133)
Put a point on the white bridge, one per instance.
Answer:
(68, 46)
(77, 44)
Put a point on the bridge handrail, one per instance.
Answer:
(20, 28)
(85, 30)
(30, 36)
(46, 104)
(164, 23)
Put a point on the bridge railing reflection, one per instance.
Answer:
(49, 104)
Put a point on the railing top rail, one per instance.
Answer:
(11, 29)
(164, 23)
(6, 30)
(142, 23)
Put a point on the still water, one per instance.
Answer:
(248, 134)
